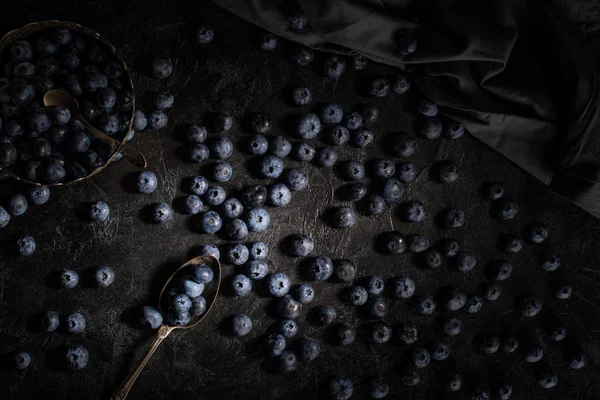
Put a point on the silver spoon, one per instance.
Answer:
(57, 97)
(211, 291)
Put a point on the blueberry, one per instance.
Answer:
(25, 70)
(178, 319)
(374, 285)
(420, 357)
(180, 303)
(473, 304)
(106, 98)
(406, 172)
(393, 242)
(215, 195)
(268, 42)
(62, 37)
(431, 128)
(236, 229)
(454, 383)
(354, 191)
(357, 295)
(334, 67)
(353, 170)
(279, 195)
(344, 270)
(238, 254)
(76, 357)
(297, 21)
(222, 148)
(487, 343)
(407, 333)
(480, 394)
(258, 145)
(338, 135)
(453, 130)
(384, 169)
(352, 120)
(279, 146)
(377, 388)
(343, 217)
(289, 308)
(204, 34)
(198, 306)
(452, 325)
(426, 304)
(533, 354)
(161, 101)
(301, 96)
(500, 270)
(362, 137)
(427, 108)
(447, 171)
(73, 169)
(308, 349)
(260, 122)
(300, 245)
(407, 46)
(202, 273)
(577, 360)
(104, 276)
(343, 333)
(99, 212)
(274, 344)
(320, 268)
(391, 190)
(439, 351)
(258, 219)
(22, 94)
(288, 328)
(242, 285)
(296, 179)
(58, 134)
(94, 81)
(278, 284)
(492, 190)
(547, 379)
(198, 153)
(531, 305)
(509, 344)
(410, 376)
(465, 261)
(222, 171)
(20, 50)
(222, 122)
(404, 287)
(232, 208)
(417, 243)
(511, 243)
(304, 151)
(146, 182)
(162, 67)
(190, 287)
(157, 119)
(41, 148)
(557, 333)
(505, 209)
(259, 251)
(491, 291)
(257, 269)
(13, 128)
(210, 250)
(303, 55)
(549, 261)
(359, 62)
(326, 157)
(69, 279)
(413, 211)
(75, 323)
(452, 218)
(54, 173)
(309, 126)
(379, 87)
(401, 84)
(562, 290)
(376, 307)
(38, 120)
(379, 332)
(49, 321)
(536, 232)
(287, 361)
(324, 315)
(162, 213)
(254, 196)
(305, 293)
(17, 205)
(373, 204)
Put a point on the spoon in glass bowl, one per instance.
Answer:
(57, 97)
(211, 290)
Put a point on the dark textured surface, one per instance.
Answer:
(232, 74)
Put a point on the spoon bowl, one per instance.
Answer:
(211, 292)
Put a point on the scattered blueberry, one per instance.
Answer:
(439, 351)
(278, 284)
(549, 261)
(50, 321)
(407, 333)
(417, 243)
(308, 349)
(222, 171)
(376, 307)
(238, 254)
(280, 146)
(547, 379)
(452, 325)
(254, 196)
(320, 268)
(453, 130)
(343, 217)
(379, 332)
(410, 376)
(384, 168)
(511, 243)
(558, 333)
(359, 62)
(242, 324)
(505, 209)
(69, 279)
(304, 151)
(500, 270)
(406, 172)
(75, 323)
(151, 317)
(279, 195)
(413, 211)
(193, 204)
(454, 299)
(343, 333)
(454, 383)
(301, 96)
(393, 242)
(260, 122)
(232, 208)
(221, 148)
(305, 293)
(274, 344)
(473, 304)
(296, 179)
(377, 388)
(222, 122)
(326, 157)
(196, 133)
(357, 295)
(491, 291)
(407, 46)
(258, 219)
(492, 190)
(301, 245)
(354, 191)
(205, 34)
(289, 308)
(17, 205)
(162, 67)
(373, 204)
(509, 344)
(465, 261)
(338, 135)
(352, 120)
(324, 315)
(431, 128)
(353, 170)
(258, 145)
(362, 137)
(426, 304)
(531, 305)
(215, 195)
(162, 213)
(334, 67)
(533, 354)
(536, 232)
(303, 55)
(562, 290)
(198, 153)
(76, 357)
(447, 171)
(146, 182)
(26, 245)
(379, 87)
(242, 285)
(344, 270)
(420, 357)
(392, 190)
(288, 328)
(401, 84)
(487, 343)
(287, 361)
(210, 222)
(268, 42)
(578, 359)
(404, 287)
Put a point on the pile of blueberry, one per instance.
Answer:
(48, 145)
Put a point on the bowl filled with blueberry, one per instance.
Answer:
(66, 103)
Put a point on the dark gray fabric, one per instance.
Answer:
(520, 75)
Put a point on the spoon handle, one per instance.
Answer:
(125, 387)
(132, 155)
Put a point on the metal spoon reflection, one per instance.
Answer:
(57, 97)
(211, 291)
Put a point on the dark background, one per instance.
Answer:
(233, 74)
